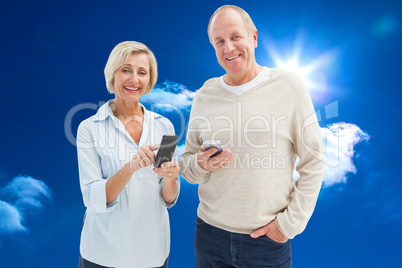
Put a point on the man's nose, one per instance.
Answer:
(229, 47)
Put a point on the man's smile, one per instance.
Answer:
(232, 58)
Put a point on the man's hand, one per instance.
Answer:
(271, 230)
(216, 162)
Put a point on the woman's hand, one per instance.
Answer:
(168, 170)
(144, 157)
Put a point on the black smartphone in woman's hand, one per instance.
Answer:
(166, 150)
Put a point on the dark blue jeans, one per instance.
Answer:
(83, 263)
(217, 248)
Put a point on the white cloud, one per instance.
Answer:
(23, 194)
(339, 142)
(180, 150)
(169, 96)
(10, 218)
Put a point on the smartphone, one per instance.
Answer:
(213, 144)
(166, 150)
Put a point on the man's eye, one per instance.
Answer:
(236, 37)
(219, 42)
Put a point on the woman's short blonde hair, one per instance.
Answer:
(119, 56)
(248, 22)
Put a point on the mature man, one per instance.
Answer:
(249, 207)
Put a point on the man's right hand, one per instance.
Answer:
(215, 163)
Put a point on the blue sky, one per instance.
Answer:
(53, 54)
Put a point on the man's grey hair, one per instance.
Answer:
(248, 22)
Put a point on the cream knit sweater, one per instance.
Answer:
(266, 128)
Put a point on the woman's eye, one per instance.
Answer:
(124, 71)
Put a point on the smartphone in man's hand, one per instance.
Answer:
(213, 144)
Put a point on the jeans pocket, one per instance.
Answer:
(200, 222)
(275, 242)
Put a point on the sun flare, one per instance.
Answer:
(313, 72)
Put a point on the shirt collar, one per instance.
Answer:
(105, 111)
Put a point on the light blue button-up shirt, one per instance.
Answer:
(133, 230)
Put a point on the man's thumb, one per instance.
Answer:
(210, 152)
(260, 232)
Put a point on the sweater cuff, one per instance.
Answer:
(284, 226)
(202, 174)
(198, 168)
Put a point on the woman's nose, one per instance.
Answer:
(133, 79)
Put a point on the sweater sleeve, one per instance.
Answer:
(308, 145)
(189, 167)
(93, 185)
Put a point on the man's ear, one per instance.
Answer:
(255, 38)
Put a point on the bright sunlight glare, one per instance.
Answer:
(312, 73)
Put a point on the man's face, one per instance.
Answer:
(234, 45)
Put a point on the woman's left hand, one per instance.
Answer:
(168, 170)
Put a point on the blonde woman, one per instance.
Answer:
(126, 223)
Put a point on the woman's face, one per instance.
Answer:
(132, 78)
